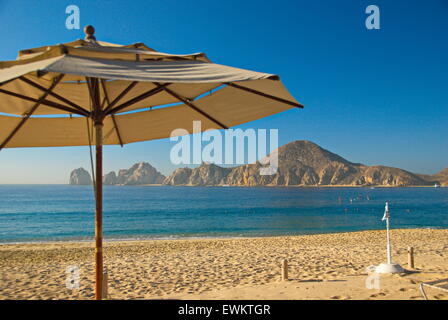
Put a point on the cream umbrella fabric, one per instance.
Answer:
(90, 92)
(136, 71)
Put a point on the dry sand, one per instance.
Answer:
(329, 266)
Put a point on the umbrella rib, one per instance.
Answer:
(192, 105)
(294, 104)
(94, 93)
(116, 130)
(30, 112)
(57, 96)
(7, 81)
(143, 96)
(46, 103)
(120, 96)
(106, 97)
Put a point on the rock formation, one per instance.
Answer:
(110, 178)
(80, 177)
(440, 178)
(300, 163)
(139, 174)
(204, 175)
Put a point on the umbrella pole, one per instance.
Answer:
(98, 117)
(99, 212)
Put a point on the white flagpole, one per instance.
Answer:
(387, 217)
(388, 267)
(389, 251)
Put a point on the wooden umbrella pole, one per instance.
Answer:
(93, 85)
(99, 213)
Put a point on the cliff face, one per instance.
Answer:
(110, 178)
(139, 174)
(301, 163)
(80, 177)
(204, 175)
(440, 178)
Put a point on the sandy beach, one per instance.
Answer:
(328, 266)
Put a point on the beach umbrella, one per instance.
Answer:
(89, 92)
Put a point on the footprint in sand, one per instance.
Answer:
(382, 294)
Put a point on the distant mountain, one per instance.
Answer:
(139, 174)
(440, 178)
(204, 175)
(301, 163)
(80, 177)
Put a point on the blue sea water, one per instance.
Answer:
(61, 212)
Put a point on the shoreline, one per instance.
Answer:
(224, 237)
(229, 186)
(279, 186)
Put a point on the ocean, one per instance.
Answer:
(33, 213)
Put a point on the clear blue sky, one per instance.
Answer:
(371, 96)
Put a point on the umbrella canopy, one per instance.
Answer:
(128, 93)
(134, 78)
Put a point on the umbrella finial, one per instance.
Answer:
(89, 31)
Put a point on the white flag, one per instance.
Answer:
(386, 212)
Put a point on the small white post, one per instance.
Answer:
(389, 249)
(411, 257)
(105, 280)
(284, 270)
